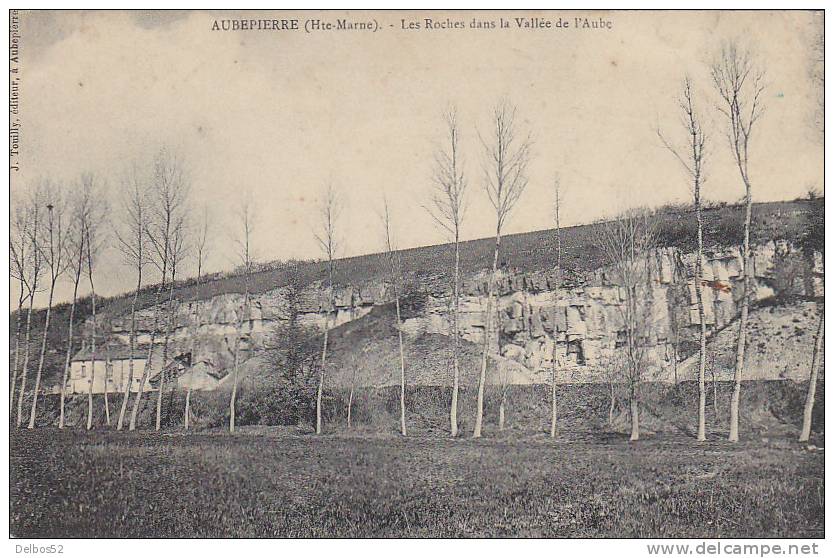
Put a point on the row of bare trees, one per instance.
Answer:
(55, 233)
(738, 78)
(56, 230)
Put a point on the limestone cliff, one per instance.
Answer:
(582, 319)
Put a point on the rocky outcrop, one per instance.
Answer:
(580, 325)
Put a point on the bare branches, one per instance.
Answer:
(330, 210)
(625, 243)
(447, 204)
(131, 235)
(169, 195)
(200, 241)
(505, 163)
(691, 156)
(740, 84)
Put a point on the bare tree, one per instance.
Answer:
(52, 245)
(447, 207)
(740, 84)
(91, 227)
(76, 249)
(330, 210)
(246, 214)
(505, 179)
(176, 253)
(395, 269)
(354, 376)
(166, 207)
(808, 410)
(20, 260)
(557, 204)
(691, 158)
(132, 242)
(818, 81)
(625, 244)
(200, 253)
(34, 216)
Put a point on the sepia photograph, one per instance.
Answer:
(418, 274)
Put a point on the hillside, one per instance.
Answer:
(801, 221)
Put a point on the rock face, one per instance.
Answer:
(580, 325)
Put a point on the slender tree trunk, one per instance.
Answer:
(92, 361)
(479, 417)
(187, 415)
(555, 306)
(165, 342)
(321, 372)
(501, 410)
(702, 326)
(69, 347)
(126, 397)
(92, 382)
(146, 371)
(402, 368)
(27, 351)
(107, 368)
(453, 412)
(233, 400)
(714, 390)
(675, 341)
(807, 413)
(320, 391)
(742, 326)
(13, 384)
(611, 406)
(635, 419)
(40, 362)
(350, 402)
(553, 394)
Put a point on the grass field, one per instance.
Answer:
(282, 483)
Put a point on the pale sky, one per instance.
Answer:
(282, 113)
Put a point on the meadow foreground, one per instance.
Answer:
(267, 484)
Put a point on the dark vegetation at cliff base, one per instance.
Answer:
(273, 484)
(769, 409)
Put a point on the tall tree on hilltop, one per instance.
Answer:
(740, 85)
(505, 179)
(447, 206)
(330, 209)
(691, 158)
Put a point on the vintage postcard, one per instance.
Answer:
(418, 274)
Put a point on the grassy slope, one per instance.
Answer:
(531, 251)
(70, 484)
